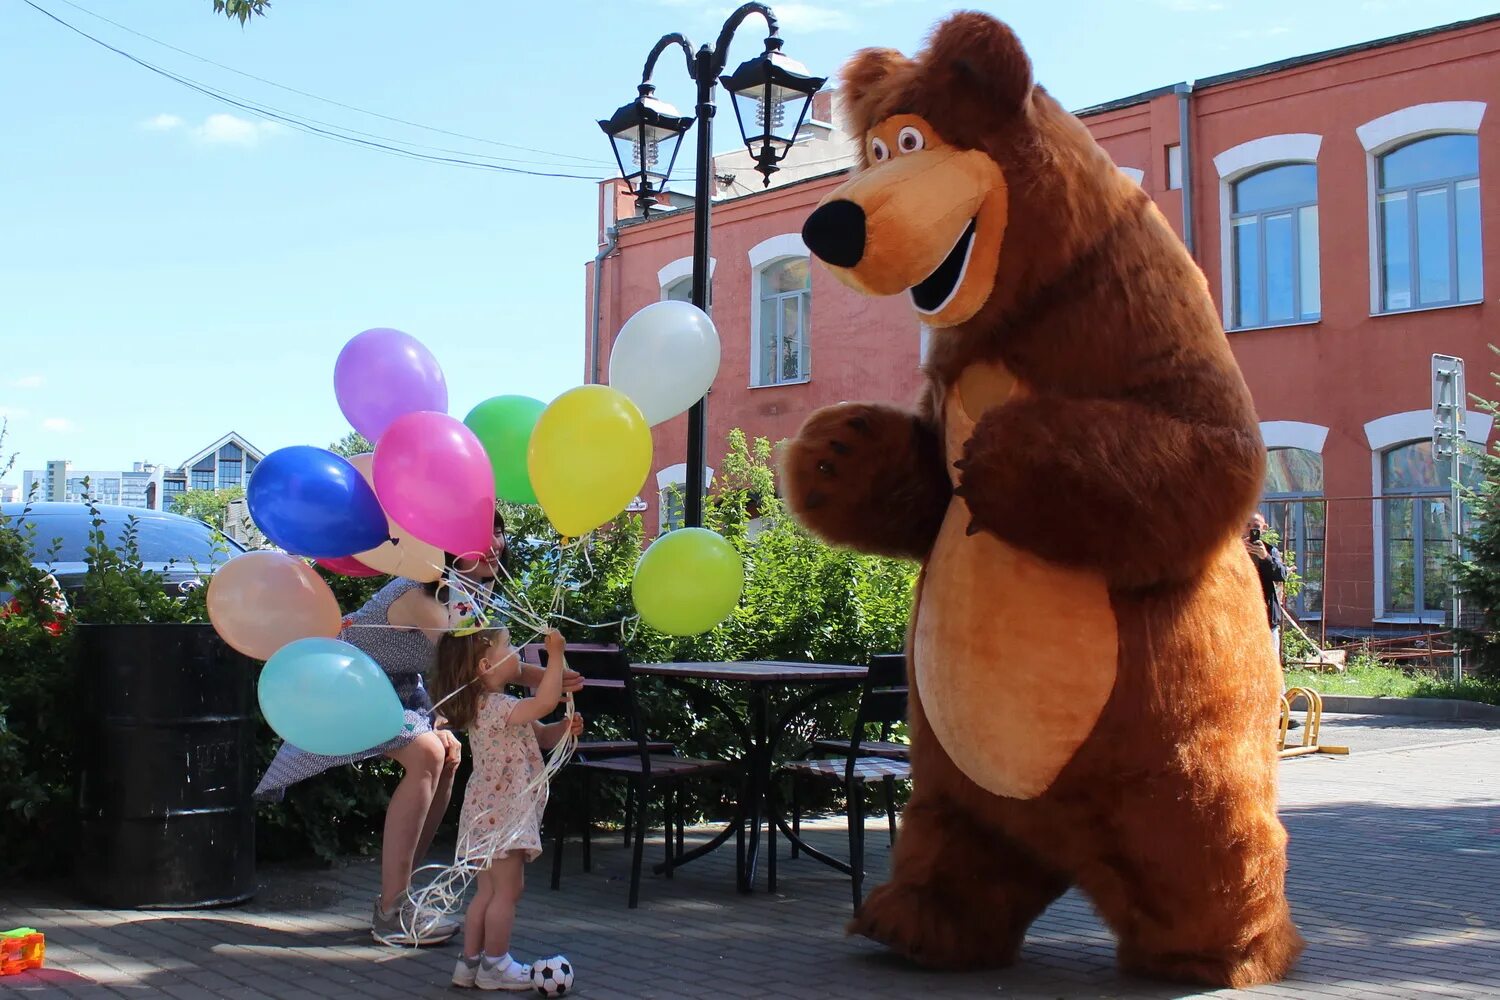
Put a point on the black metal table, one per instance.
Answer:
(758, 735)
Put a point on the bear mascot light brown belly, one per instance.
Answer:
(1094, 687)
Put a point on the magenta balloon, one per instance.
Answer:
(433, 478)
(382, 374)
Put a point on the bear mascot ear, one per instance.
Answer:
(866, 79)
(982, 58)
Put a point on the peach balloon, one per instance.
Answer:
(260, 601)
(403, 555)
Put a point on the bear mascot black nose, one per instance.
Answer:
(835, 233)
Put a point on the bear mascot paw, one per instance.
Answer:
(1093, 689)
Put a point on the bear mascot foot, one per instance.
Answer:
(963, 895)
(1266, 958)
(922, 927)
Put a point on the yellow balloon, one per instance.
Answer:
(589, 456)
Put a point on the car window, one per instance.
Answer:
(160, 539)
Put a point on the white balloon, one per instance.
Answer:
(665, 358)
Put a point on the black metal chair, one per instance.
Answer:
(882, 704)
(892, 667)
(609, 692)
(890, 671)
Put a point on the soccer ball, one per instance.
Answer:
(552, 977)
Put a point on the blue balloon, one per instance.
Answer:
(328, 697)
(314, 503)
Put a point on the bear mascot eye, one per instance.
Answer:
(879, 152)
(910, 140)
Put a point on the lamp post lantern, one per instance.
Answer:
(772, 95)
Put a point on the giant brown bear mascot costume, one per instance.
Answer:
(1093, 689)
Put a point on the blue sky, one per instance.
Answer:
(172, 268)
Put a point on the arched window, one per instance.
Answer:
(1274, 218)
(1416, 532)
(784, 294)
(1292, 506)
(676, 280)
(1430, 252)
(671, 493)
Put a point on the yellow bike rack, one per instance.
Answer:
(1312, 723)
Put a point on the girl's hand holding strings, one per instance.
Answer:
(549, 692)
(550, 734)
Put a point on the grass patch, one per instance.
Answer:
(1468, 689)
(1366, 679)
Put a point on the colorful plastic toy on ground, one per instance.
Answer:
(21, 949)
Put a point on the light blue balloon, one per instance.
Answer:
(328, 697)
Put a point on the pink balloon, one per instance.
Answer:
(347, 566)
(434, 479)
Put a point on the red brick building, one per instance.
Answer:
(1342, 205)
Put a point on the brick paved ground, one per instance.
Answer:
(1395, 864)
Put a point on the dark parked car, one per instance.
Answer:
(183, 550)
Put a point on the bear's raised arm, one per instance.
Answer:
(869, 476)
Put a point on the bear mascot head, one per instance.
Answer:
(1094, 685)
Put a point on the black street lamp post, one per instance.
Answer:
(648, 131)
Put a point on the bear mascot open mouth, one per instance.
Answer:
(1092, 691)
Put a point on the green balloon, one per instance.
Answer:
(687, 582)
(503, 425)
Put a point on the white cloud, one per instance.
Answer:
(1193, 6)
(217, 129)
(230, 130)
(162, 123)
(58, 424)
(14, 412)
(28, 382)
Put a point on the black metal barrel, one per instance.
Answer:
(168, 765)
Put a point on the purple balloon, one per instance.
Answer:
(383, 374)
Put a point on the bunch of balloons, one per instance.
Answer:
(430, 487)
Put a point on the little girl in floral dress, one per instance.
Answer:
(500, 825)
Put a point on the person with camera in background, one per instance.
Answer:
(1267, 560)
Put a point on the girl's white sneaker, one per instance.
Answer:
(511, 975)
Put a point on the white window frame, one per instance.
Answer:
(1234, 165)
(1383, 434)
(674, 475)
(681, 268)
(762, 256)
(1306, 437)
(1388, 132)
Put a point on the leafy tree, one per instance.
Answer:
(241, 10)
(208, 506)
(1477, 572)
(353, 443)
